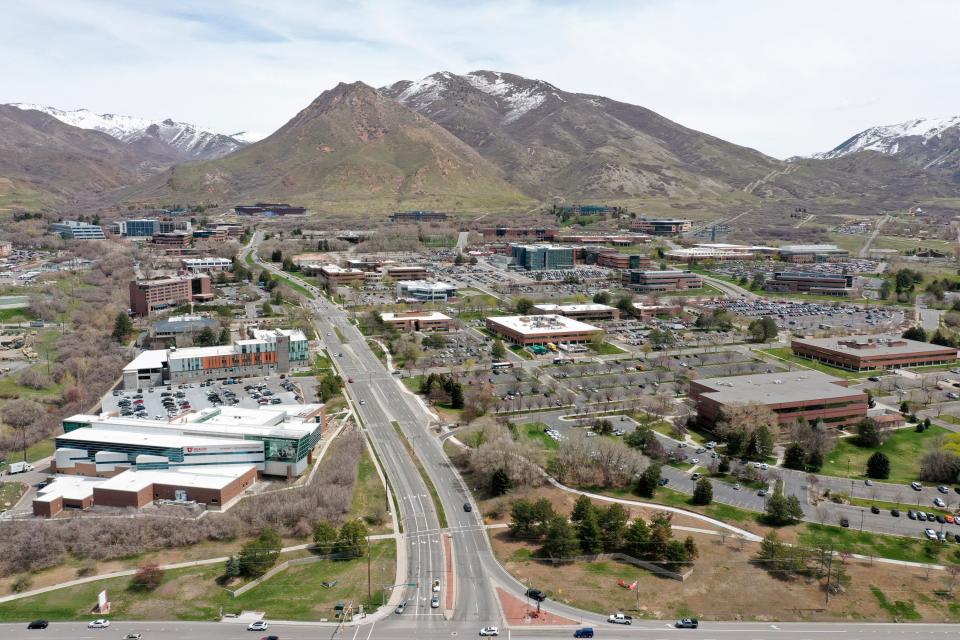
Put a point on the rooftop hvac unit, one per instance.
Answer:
(180, 495)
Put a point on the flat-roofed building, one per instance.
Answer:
(172, 239)
(149, 296)
(661, 226)
(538, 257)
(542, 329)
(406, 272)
(206, 265)
(424, 291)
(827, 284)
(216, 486)
(418, 320)
(660, 281)
(507, 234)
(868, 353)
(805, 253)
(792, 395)
(590, 311)
(417, 216)
(176, 326)
(714, 251)
(615, 239)
(335, 275)
(75, 230)
(269, 351)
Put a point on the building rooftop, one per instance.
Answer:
(69, 488)
(425, 285)
(811, 248)
(414, 315)
(212, 477)
(572, 308)
(150, 359)
(770, 388)
(873, 345)
(183, 323)
(538, 247)
(271, 334)
(541, 324)
(155, 438)
(335, 268)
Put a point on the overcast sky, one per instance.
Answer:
(786, 78)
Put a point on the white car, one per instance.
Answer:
(257, 625)
(99, 623)
(937, 502)
(435, 602)
(930, 533)
(489, 631)
(694, 460)
(436, 586)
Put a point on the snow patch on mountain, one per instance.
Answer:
(185, 139)
(887, 139)
(425, 91)
(520, 100)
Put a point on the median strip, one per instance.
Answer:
(434, 495)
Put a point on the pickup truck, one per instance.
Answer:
(619, 618)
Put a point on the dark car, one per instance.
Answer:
(844, 522)
(941, 519)
(874, 509)
(687, 623)
(663, 481)
(895, 513)
(38, 624)
(586, 632)
(467, 507)
(536, 594)
(911, 514)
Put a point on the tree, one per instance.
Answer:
(613, 525)
(500, 482)
(560, 541)
(276, 256)
(763, 329)
(20, 414)
(456, 396)
(523, 306)
(815, 461)
(588, 533)
(122, 327)
(637, 538)
(646, 483)
(795, 456)
(868, 434)
(259, 555)
(232, 567)
(325, 537)
(878, 466)
(147, 578)
(915, 333)
(498, 351)
(780, 509)
(885, 290)
(224, 337)
(703, 492)
(353, 538)
(581, 508)
(458, 260)
(602, 297)
(760, 445)
(205, 338)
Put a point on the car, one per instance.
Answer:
(921, 516)
(401, 608)
(38, 624)
(937, 502)
(736, 487)
(489, 631)
(943, 489)
(694, 460)
(99, 623)
(916, 486)
(950, 519)
(956, 537)
(687, 623)
(874, 378)
(844, 522)
(436, 586)
(941, 536)
(762, 493)
(467, 507)
(930, 533)
(941, 519)
(895, 513)
(270, 638)
(586, 632)
(868, 482)
(435, 602)
(536, 594)
(362, 402)
(763, 466)
(874, 509)
(257, 625)
(911, 514)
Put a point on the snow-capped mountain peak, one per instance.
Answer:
(166, 139)
(896, 138)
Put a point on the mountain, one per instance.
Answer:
(45, 162)
(163, 141)
(351, 148)
(925, 142)
(553, 143)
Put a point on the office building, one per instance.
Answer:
(579, 311)
(538, 257)
(607, 257)
(149, 296)
(177, 326)
(716, 252)
(660, 281)
(74, 230)
(206, 265)
(868, 353)
(806, 253)
(418, 321)
(792, 395)
(333, 275)
(511, 234)
(172, 239)
(424, 291)
(541, 329)
(406, 272)
(269, 351)
(828, 284)
(661, 226)
(418, 216)
(269, 208)
(571, 210)
(617, 240)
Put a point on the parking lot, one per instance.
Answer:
(796, 315)
(161, 403)
(747, 269)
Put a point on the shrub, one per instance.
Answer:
(147, 578)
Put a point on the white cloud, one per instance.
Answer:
(785, 78)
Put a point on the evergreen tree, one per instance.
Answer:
(613, 526)
(325, 537)
(588, 532)
(795, 456)
(560, 541)
(878, 466)
(581, 508)
(498, 351)
(122, 327)
(646, 483)
(232, 568)
(500, 482)
(815, 461)
(205, 338)
(257, 556)
(703, 492)
(353, 538)
(456, 396)
(224, 337)
(637, 538)
(276, 256)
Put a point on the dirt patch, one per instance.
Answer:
(519, 611)
(727, 585)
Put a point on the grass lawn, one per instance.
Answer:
(533, 431)
(904, 448)
(340, 335)
(607, 349)
(866, 543)
(22, 314)
(716, 510)
(370, 497)
(10, 492)
(520, 351)
(413, 383)
(193, 594)
(37, 451)
(786, 354)
(707, 290)
(296, 286)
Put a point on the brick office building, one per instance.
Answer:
(541, 329)
(868, 353)
(148, 296)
